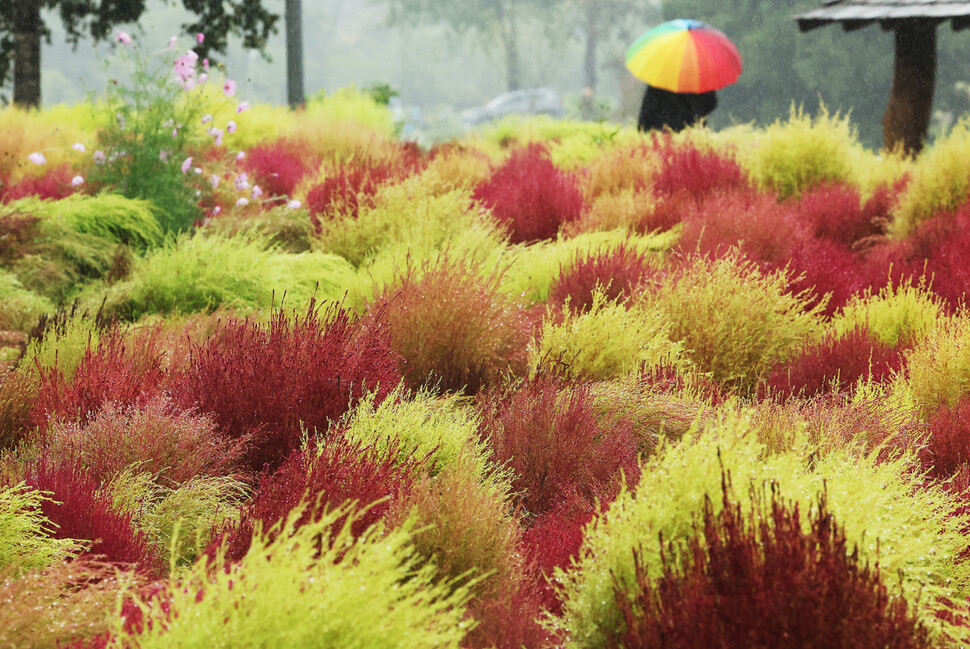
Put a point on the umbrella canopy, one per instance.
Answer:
(684, 56)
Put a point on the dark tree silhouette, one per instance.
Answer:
(22, 27)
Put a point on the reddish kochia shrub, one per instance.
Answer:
(510, 621)
(17, 231)
(55, 184)
(530, 196)
(834, 364)
(821, 267)
(835, 211)
(617, 271)
(108, 374)
(17, 393)
(685, 168)
(174, 445)
(78, 509)
(341, 472)
(754, 221)
(295, 374)
(278, 167)
(551, 542)
(453, 327)
(947, 450)
(558, 449)
(756, 579)
(345, 191)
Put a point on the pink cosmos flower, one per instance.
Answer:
(77, 146)
(243, 106)
(205, 64)
(187, 164)
(163, 155)
(206, 118)
(230, 126)
(229, 87)
(123, 38)
(242, 202)
(203, 77)
(200, 37)
(240, 156)
(37, 158)
(77, 180)
(214, 180)
(99, 157)
(216, 210)
(257, 191)
(242, 182)
(172, 41)
(294, 204)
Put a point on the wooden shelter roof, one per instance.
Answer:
(853, 14)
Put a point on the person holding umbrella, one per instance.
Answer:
(684, 63)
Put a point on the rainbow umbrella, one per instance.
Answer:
(684, 56)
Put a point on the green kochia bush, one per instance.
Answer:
(201, 273)
(886, 510)
(21, 307)
(108, 216)
(294, 593)
(735, 322)
(25, 542)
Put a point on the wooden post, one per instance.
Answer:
(907, 117)
(27, 31)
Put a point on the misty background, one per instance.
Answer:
(438, 72)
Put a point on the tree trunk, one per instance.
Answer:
(510, 42)
(28, 29)
(907, 117)
(589, 61)
(295, 94)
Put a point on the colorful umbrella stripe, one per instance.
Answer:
(684, 56)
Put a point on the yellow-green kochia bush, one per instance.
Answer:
(21, 308)
(902, 313)
(734, 322)
(896, 520)
(25, 543)
(312, 587)
(112, 217)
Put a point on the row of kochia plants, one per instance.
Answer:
(282, 379)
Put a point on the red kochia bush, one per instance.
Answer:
(530, 196)
(754, 221)
(277, 167)
(756, 579)
(174, 445)
(836, 212)
(108, 374)
(685, 168)
(341, 472)
(453, 327)
(295, 374)
(552, 541)
(558, 449)
(618, 271)
(947, 449)
(79, 510)
(345, 191)
(835, 360)
(821, 267)
(55, 184)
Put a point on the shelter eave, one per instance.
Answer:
(854, 16)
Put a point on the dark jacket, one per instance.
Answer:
(676, 110)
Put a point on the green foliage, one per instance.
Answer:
(149, 126)
(21, 307)
(180, 520)
(903, 313)
(290, 229)
(63, 344)
(351, 105)
(734, 322)
(938, 366)
(408, 219)
(884, 506)
(795, 156)
(534, 268)
(202, 272)
(109, 216)
(313, 587)
(440, 429)
(25, 542)
(940, 182)
(607, 342)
